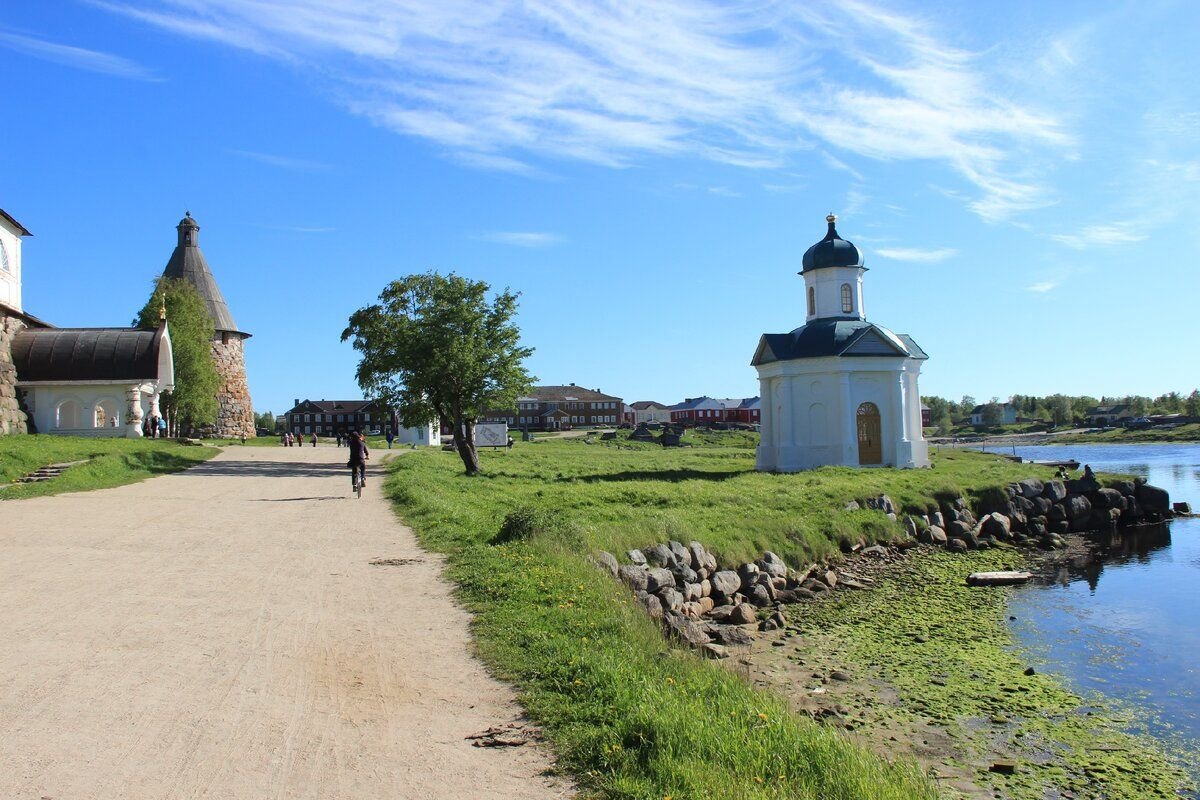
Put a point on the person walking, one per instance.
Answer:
(358, 459)
(314, 440)
(390, 438)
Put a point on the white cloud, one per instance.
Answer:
(285, 162)
(917, 254)
(1102, 235)
(78, 57)
(500, 84)
(724, 191)
(521, 238)
(1043, 287)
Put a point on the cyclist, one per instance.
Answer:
(358, 458)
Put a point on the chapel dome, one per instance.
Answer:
(188, 222)
(832, 251)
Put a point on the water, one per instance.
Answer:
(1127, 624)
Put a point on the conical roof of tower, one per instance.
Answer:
(188, 262)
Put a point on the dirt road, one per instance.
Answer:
(222, 633)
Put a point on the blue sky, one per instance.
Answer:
(1024, 178)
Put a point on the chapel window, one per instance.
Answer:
(847, 300)
(812, 301)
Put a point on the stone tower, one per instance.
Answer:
(235, 415)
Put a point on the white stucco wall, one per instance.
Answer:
(44, 401)
(809, 412)
(428, 435)
(827, 284)
(10, 279)
(651, 415)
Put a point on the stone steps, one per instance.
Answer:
(49, 472)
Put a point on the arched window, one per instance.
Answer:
(66, 416)
(106, 414)
(4, 259)
(812, 301)
(847, 300)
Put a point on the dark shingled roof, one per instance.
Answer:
(830, 337)
(20, 228)
(551, 394)
(188, 262)
(832, 251)
(86, 354)
(332, 406)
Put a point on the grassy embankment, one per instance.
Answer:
(630, 717)
(112, 462)
(1180, 435)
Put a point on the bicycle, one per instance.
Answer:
(358, 477)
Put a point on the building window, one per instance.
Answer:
(812, 301)
(847, 301)
(4, 259)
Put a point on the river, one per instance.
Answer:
(1127, 624)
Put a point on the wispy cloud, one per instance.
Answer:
(505, 85)
(78, 57)
(1102, 235)
(284, 162)
(917, 254)
(521, 238)
(724, 191)
(1042, 287)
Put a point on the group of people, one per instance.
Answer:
(288, 439)
(152, 427)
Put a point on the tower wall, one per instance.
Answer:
(12, 418)
(235, 414)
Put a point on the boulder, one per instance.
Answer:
(937, 520)
(935, 535)
(706, 604)
(1057, 513)
(852, 506)
(813, 585)
(1037, 526)
(958, 529)
(635, 578)
(653, 606)
(705, 588)
(759, 596)
(772, 565)
(1082, 486)
(1127, 488)
(911, 526)
(743, 614)
(875, 551)
(1030, 488)
(684, 573)
(830, 579)
(636, 557)
(747, 575)
(699, 556)
(1108, 498)
(1041, 506)
(685, 630)
(693, 610)
(1153, 499)
(659, 555)
(726, 582)
(956, 546)
(681, 553)
(1181, 508)
(728, 637)
(608, 561)
(1054, 491)
(1021, 504)
(1079, 510)
(691, 592)
(671, 599)
(658, 579)
(997, 525)
(721, 613)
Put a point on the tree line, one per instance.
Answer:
(1060, 409)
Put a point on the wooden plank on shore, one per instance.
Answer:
(997, 578)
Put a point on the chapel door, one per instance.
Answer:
(870, 440)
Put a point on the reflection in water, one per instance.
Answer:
(1122, 546)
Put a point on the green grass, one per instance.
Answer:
(629, 717)
(113, 462)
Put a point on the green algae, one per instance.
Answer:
(945, 649)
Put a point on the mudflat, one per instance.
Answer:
(223, 633)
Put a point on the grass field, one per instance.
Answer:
(111, 462)
(1184, 433)
(629, 717)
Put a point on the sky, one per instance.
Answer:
(1023, 178)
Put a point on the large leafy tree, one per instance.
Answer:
(193, 402)
(436, 346)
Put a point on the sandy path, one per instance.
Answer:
(220, 634)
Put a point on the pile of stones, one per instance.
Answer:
(1033, 512)
(711, 608)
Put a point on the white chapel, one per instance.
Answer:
(838, 390)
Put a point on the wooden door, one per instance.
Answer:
(870, 440)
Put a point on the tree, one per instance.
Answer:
(1192, 404)
(435, 347)
(993, 413)
(193, 401)
(1059, 406)
(966, 406)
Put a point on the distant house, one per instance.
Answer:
(645, 411)
(707, 410)
(333, 417)
(1008, 415)
(553, 408)
(926, 416)
(1102, 416)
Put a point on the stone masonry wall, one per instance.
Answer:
(12, 418)
(235, 414)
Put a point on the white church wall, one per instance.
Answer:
(428, 435)
(10, 269)
(70, 409)
(827, 285)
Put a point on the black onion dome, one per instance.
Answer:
(832, 251)
(188, 222)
